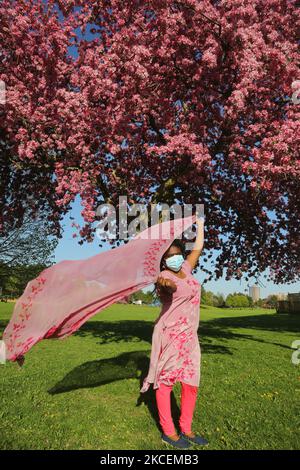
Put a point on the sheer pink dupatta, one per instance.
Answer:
(67, 294)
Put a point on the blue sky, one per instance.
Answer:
(68, 248)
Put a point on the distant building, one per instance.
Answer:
(290, 305)
(254, 293)
(281, 296)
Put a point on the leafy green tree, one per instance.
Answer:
(15, 278)
(28, 244)
(237, 300)
(259, 303)
(25, 250)
(145, 297)
(207, 297)
(271, 301)
(219, 300)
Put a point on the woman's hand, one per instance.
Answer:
(166, 284)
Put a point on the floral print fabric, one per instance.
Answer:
(64, 296)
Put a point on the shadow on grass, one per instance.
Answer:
(131, 331)
(213, 333)
(3, 324)
(222, 328)
(92, 374)
(127, 331)
(104, 371)
(268, 322)
(136, 364)
(125, 366)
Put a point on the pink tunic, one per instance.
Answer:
(175, 354)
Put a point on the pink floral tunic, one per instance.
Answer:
(175, 354)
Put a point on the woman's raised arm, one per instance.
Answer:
(193, 257)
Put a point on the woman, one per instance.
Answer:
(175, 353)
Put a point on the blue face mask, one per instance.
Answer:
(175, 262)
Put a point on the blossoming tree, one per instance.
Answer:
(160, 100)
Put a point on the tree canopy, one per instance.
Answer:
(185, 101)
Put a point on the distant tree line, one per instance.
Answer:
(235, 300)
(13, 279)
(146, 297)
(25, 251)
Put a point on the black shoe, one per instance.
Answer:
(196, 440)
(182, 443)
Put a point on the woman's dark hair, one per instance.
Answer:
(179, 244)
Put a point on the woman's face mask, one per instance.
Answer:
(174, 262)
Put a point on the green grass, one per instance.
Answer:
(83, 392)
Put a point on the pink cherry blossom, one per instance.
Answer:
(188, 99)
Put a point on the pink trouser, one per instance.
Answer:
(188, 402)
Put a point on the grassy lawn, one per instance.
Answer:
(83, 392)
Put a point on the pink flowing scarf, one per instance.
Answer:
(67, 294)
